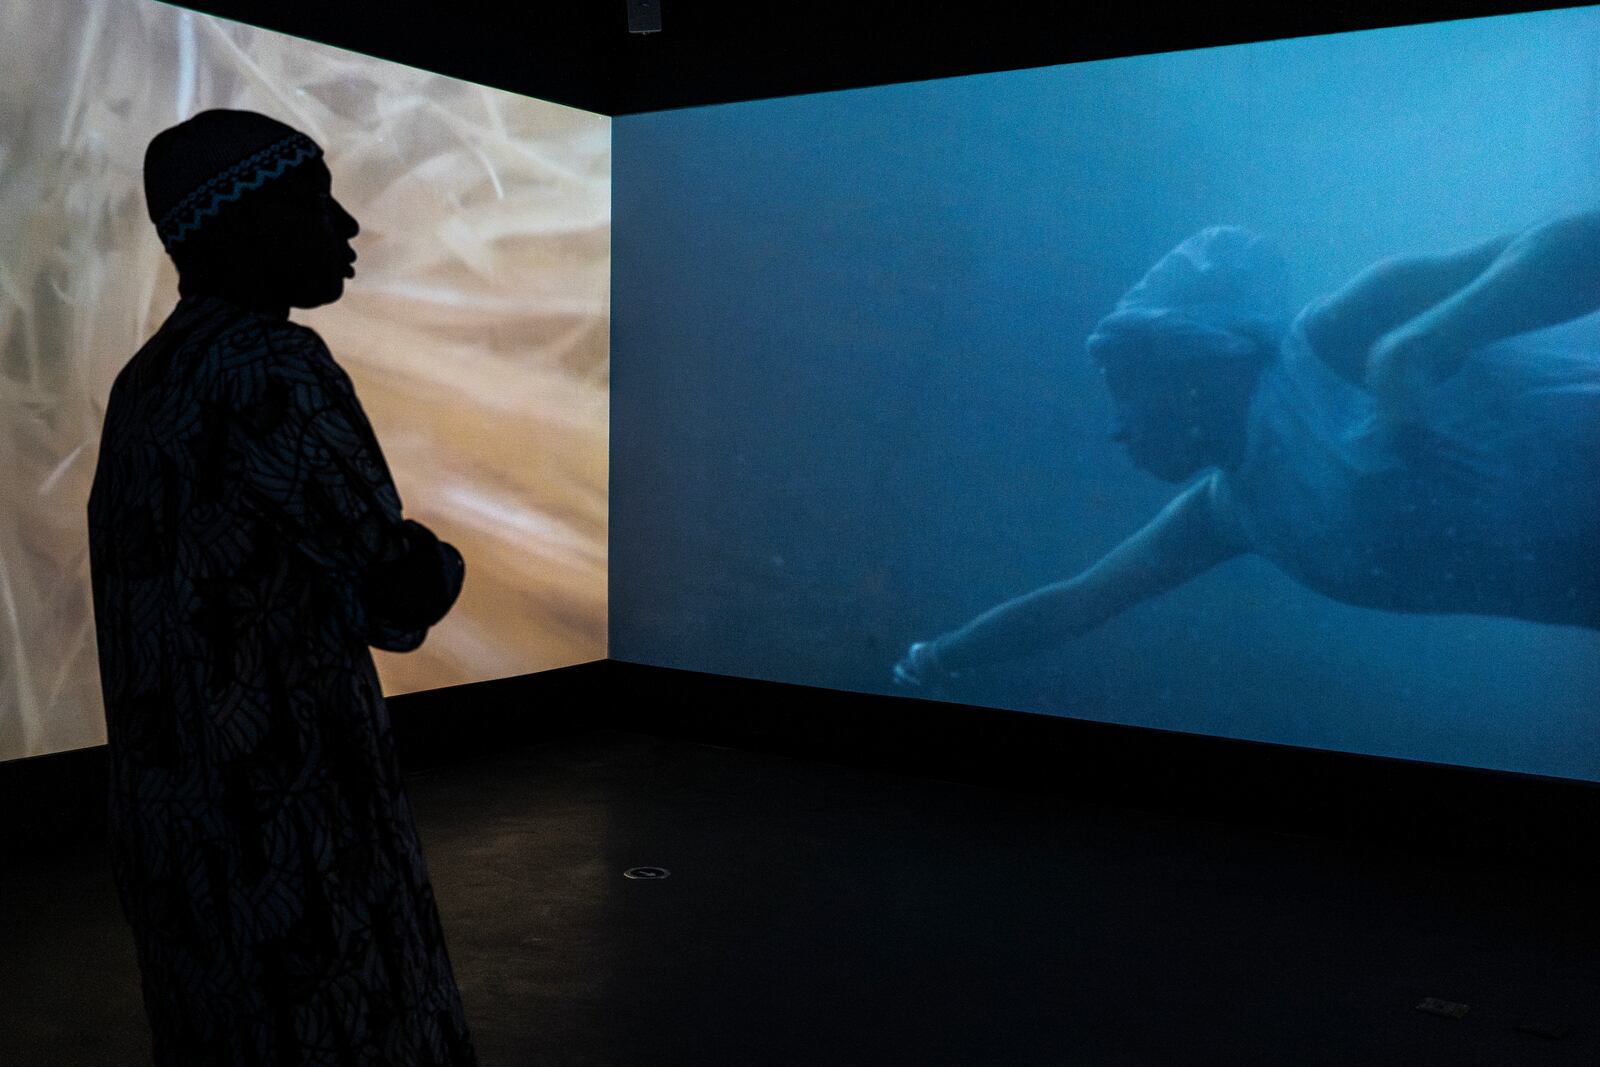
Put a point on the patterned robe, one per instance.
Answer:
(246, 546)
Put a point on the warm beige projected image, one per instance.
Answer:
(475, 330)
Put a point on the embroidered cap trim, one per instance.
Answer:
(227, 186)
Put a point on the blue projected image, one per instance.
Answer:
(888, 417)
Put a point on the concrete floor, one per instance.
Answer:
(817, 914)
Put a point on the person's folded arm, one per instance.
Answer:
(311, 467)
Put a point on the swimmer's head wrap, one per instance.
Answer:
(1220, 295)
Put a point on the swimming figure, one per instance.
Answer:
(1412, 442)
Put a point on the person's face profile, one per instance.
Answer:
(1161, 418)
(304, 234)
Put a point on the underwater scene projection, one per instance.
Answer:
(1250, 391)
(475, 330)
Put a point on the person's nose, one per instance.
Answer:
(348, 226)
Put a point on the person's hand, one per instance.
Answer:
(417, 589)
(455, 571)
(920, 671)
(1401, 367)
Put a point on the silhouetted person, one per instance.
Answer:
(1407, 443)
(246, 547)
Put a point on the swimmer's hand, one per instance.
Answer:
(1402, 367)
(920, 671)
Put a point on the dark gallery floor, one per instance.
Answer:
(816, 914)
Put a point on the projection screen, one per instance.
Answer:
(856, 405)
(476, 334)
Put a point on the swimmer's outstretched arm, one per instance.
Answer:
(1191, 535)
(1547, 275)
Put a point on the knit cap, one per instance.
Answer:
(214, 158)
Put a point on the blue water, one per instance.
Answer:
(851, 406)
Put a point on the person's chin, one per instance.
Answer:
(326, 293)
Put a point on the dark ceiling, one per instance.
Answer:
(713, 51)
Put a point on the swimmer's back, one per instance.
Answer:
(1491, 505)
